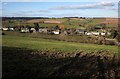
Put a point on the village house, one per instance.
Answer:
(103, 33)
(24, 30)
(79, 32)
(95, 33)
(33, 29)
(67, 32)
(56, 32)
(43, 29)
(11, 29)
(8, 29)
(88, 33)
(5, 29)
(53, 31)
(49, 31)
(74, 32)
(40, 30)
(17, 28)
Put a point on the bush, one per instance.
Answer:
(3, 33)
(114, 33)
(109, 42)
(118, 37)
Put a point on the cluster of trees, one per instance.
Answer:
(114, 33)
(96, 27)
(36, 26)
(23, 18)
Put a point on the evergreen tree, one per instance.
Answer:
(36, 26)
(114, 33)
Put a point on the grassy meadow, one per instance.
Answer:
(53, 45)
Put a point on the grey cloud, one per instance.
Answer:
(27, 13)
(38, 11)
(86, 6)
(43, 11)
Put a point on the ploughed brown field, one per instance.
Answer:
(30, 64)
(111, 21)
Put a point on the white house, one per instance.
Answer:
(12, 29)
(5, 29)
(103, 34)
(88, 33)
(43, 30)
(33, 29)
(95, 33)
(25, 30)
(57, 32)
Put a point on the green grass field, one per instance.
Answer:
(53, 45)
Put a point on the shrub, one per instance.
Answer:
(3, 33)
(110, 42)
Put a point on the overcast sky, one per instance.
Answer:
(43, 8)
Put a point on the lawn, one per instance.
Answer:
(46, 44)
